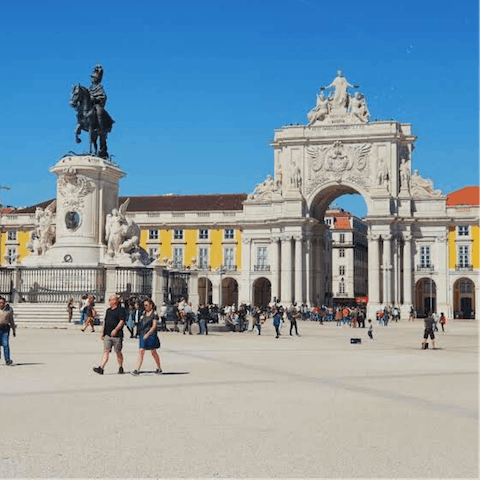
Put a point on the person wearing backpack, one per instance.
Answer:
(276, 323)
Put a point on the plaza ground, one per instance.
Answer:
(243, 405)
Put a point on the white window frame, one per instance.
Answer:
(203, 260)
(203, 233)
(262, 256)
(425, 256)
(229, 259)
(463, 256)
(341, 253)
(341, 270)
(463, 230)
(229, 234)
(178, 233)
(153, 252)
(11, 255)
(178, 253)
(12, 235)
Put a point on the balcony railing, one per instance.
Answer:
(204, 267)
(261, 268)
(425, 268)
(229, 268)
(342, 295)
(464, 268)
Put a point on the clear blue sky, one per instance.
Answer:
(197, 87)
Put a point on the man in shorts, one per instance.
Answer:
(429, 324)
(112, 334)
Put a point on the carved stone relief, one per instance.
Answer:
(73, 189)
(337, 162)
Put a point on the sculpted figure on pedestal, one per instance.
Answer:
(91, 114)
(121, 234)
(358, 107)
(382, 173)
(264, 190)
(405, 174)
(43, 235)
(340, 97)
(320, 111)
(422, 187)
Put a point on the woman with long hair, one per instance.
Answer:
(148, 336)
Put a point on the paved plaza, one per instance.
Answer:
(243, 405)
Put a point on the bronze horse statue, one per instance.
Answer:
(87, 119)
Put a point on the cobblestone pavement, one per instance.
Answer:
(243, 405)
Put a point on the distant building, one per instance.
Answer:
(349, 255)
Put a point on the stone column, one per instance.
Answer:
(245, 288)
(387, 269)
(373, 269)
(309, 256)
(443, 304)
(110, 281)
(193, 296)
(286, 294)
(275, 265)
(299, 270)
(407, 269)
(319, 271)
(158, 284)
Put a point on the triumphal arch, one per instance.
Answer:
(342, 151)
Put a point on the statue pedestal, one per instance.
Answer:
(87, 189)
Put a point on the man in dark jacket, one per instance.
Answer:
(6, 323)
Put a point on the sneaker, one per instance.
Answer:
(158, 371)
(121, 371)
(98, 370)
(9, 362)
(135, 373)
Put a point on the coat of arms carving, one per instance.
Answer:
(73, 188)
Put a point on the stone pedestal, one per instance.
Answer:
(87, 189)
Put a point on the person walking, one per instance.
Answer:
(429, 325)
(338, 316)
(148, 337)
(70, 308)
(130, 324)
(370, 329)
(90, 313)
(293, 317)
(443, 321)
(162, 313)
(6, 323)
(276, 323)
(81, 305)
(411, 314)
(257, 320)
(112, 334)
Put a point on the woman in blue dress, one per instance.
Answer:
(148, 336)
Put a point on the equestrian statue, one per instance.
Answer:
(91, 114)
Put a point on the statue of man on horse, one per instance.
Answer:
(91, 114)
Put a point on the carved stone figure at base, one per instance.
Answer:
(121, 234)
(42, 236)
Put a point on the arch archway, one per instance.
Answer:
(229, 291)
(262, 292)
(425, 296)
(205, 291)
(464, 298)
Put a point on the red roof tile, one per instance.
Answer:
(464, 196)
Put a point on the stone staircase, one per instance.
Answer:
(49, 315)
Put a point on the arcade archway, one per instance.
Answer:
(262, 292)
(229, 291)
(425, 296)
(205, 291)
(464, 298)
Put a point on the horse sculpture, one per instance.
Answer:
(87, 119)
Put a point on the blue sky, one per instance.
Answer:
(197, 88)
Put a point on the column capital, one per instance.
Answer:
(387, 237)
(286, 239)
(373, 237)
(407, 236)
(298, 238)
(276, 238)
(246, 241)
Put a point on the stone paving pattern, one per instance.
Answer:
(243, 405)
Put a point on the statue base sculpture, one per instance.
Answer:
(87, 189)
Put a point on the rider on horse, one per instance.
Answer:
(99, 99)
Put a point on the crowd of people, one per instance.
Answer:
(143, 321)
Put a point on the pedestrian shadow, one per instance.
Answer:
(25, 364)
(171, 373)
